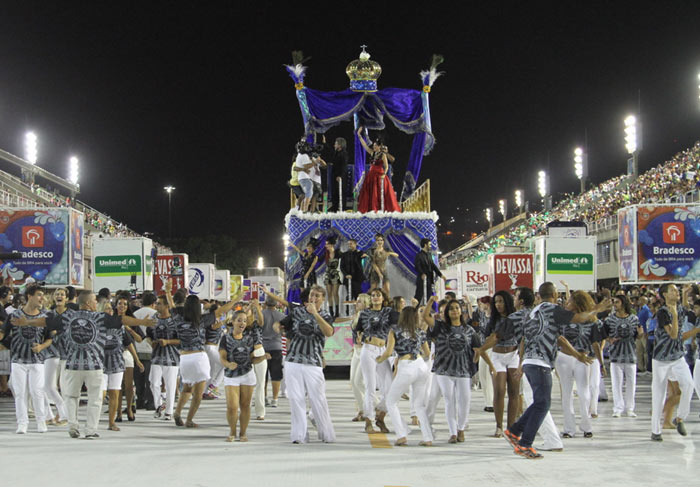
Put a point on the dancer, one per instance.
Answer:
(622, 328)
(53, 356)
(190, 327)
(425, 271)
(504, 358)
(306, 329)
(542, 332)
(668, 362)
(378, 277)
(480, 320)
(356, 380)
(212, 338)
(454, 365)
(130, 362)
(410, 344)
(374, 324)
(27, 370)
(254, 334)
(585, 338)
(117, 341)
(332, 277)
(238, 353)
(308, 263)
(165, 359)
(376, 194)
(272, 343)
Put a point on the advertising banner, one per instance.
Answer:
(201, 280)
(222, 285)
(122, 264)
(451, 282)
(476, 279)
(511, 271)
(77, 253)
(172, 267)
(668, 243)
(236, 284)
(571, 260)
(42, 237)
(627, 251)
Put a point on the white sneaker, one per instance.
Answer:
(21, 429)
(631, 414)
(616, 414)
(273, 403)
(41, 427)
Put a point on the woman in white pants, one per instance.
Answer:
(254, 332)
(482, 316)
(165, 360)
(52, 370)
(356, 381)
(306, 329)
(212, 337)
(455, 344)
(621, 329)
(585, 338)
(374, 324)
(410, 344)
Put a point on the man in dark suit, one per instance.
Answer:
(351, 265)
(425, 270)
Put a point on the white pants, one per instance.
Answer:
(259, 392)
(302, 380)
(595, 383)
(356, 381)
(410, 373)
(51, 373)
(619, 374)
(548, 430)
(570, 370)
(216, 370)
(73, 381)
(168, 374)
(457, 394)
(660, 372)
(486, 381)
(28, 380)
(433, 394)
(374, 375)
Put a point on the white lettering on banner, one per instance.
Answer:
(626, 253)
(164, 266)
(514, 266)
(33, 254)
(674, 251)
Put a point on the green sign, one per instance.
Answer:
(118, 265)
(570, 264)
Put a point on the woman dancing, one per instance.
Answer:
(356, 380)
(332, 277)
(378, 277)
(238, 353)
(410, 344)
(455, 344)
(194, 364)
(371, 196)
(374, 324)
(165, 360)
(308, 263)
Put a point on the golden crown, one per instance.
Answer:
(363, 73)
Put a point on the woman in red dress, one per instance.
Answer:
(370, 194)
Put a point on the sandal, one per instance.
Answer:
(368, 427)
(178, 420)
(414, 421)
(243, 438)
(460, 436)
(113, 427)
(453, 439)
(401, 442)
(231, 439)
(498, 433)
(359, 417)
(191, 424)
(425, 443)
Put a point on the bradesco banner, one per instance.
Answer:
(668, 243)
(627, 253)
(476, 279)
(41, 237)
(511, 271)
(172, 267)
(77, 253)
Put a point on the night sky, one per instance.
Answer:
(197, 97)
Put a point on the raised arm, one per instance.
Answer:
(131, 321)
(169, 293)
(588, 316)
(274, 297)
(326, 328)
(427, 315)
(362, 141)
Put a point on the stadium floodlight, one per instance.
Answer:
(30, 151)
(260, 263)
(503, 208)
(519, 199)
(631, 134)
(169, 189)
(542, 183)
(489, 216)
(581, 166)
(73, 170)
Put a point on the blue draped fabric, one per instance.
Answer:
(406, 249)
(415, 161)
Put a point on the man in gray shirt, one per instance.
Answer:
(272, 343)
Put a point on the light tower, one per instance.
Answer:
(581, 166)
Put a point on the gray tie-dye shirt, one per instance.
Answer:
(23, 338)
(541, 330)
(623, 332)
(667, 349)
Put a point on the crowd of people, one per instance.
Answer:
(309, 185)
(672, 178)
(56, 344)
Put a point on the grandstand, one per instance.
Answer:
(674, 181)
